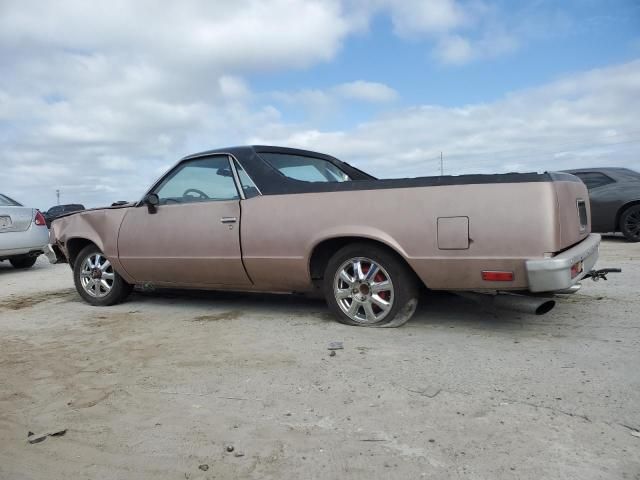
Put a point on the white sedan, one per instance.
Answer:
(23, 233)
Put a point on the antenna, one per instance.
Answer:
(58, 196)
(441, 165)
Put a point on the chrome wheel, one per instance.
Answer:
(97, 275)
(363, 290)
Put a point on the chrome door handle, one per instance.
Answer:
(228, 220)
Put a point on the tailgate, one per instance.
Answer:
(15, 219)
(574, 213)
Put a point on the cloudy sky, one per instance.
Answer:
(97, 99)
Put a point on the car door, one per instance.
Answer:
(603, 198)
(192, 238)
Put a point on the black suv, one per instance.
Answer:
(58, 210)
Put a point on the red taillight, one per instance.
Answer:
(493, 276)
(576, 269)
(39, 219)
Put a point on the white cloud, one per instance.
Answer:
(244, 34)
(366, 91)
(454, 49)
(458, 50)
(419, 17)
(584, 119)
(89, 89)
(321, 102)
(462, 31)
(233, 87)
(96, 99)
(77, 145)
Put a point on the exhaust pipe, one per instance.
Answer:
(512, 301)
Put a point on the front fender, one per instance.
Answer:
(100, 227)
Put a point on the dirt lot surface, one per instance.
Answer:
(159, 387)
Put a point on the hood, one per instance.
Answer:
(114, 206)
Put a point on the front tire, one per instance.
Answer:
(630, 223)
(23, 262)
(368, 286)
(96, 281)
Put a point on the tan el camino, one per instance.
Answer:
(277, 219)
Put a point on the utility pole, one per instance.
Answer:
(441, 165)
(58, 196)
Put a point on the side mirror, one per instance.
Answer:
(152, 201)
(224, 172)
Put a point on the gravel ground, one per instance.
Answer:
(161, 386)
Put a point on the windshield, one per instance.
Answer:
(8, 202)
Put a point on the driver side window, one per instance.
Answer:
(200, 180)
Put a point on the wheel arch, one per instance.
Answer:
(323, 250)
(74, 247)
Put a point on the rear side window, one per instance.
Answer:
(307, 169)
(594, 179)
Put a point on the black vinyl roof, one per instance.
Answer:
(271, 182)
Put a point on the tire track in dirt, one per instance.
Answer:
(15, 302)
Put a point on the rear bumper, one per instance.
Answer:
(31, 241)
(553, 274)
(53, 253)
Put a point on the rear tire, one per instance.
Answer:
(630, 223)
(23, 262)
(96, 281)
(366, 285)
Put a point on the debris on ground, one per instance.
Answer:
(204, 467)
(229, 448)
(239, 454)
(335, 346)
(41, 437)
(333, 353)
(426, 392)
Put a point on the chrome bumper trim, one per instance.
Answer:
(553, 274)
(50, 254)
